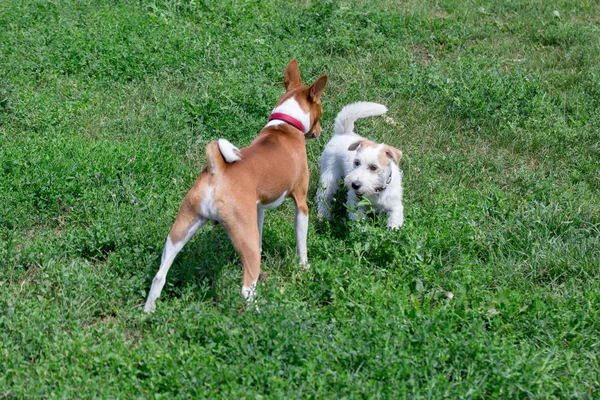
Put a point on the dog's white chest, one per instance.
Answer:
(274, 204)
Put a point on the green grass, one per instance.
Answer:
(105, 110)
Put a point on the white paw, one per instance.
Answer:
(353, 216)
(149, 307)
(395, 223)
(323, 212)
(305, 266)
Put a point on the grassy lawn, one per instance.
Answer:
(105, 110)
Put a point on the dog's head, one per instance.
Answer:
(308, 98)
(372, 166)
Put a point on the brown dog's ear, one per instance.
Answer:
(317, 88)
(291, 77)
(355, 145)
(393, 153)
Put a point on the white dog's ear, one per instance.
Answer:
(355, 145)
(393, 153)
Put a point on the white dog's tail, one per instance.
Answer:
(344, 122)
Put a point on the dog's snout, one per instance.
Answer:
(356, 185)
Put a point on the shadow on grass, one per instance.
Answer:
(200, 264)
(337, 226)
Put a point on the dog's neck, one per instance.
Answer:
(292, 109)
(289, 119)
(387, 182)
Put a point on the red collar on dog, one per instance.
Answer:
(286, 118)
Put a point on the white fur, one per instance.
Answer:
(292, 108)
(260, 219)
(229, 152)
(274, 204)
(301, 228)
(337, 162)
(207, 206)
(344, 122)
(248, 292)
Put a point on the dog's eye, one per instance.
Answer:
(373, 168)
(356, 163)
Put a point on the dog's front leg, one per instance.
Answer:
(260, 220)
(354, 212)
(396, 217)
(301, 227)
(328, 184)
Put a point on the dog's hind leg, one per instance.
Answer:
(186, 225)
(242, 227)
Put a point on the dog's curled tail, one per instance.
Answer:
(344, 122)
(221, 152)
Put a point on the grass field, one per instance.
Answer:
(105, 110)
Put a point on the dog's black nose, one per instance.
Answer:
(355, 185)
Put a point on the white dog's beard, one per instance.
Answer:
(368, 184)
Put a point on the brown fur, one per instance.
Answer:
(387, 154)
(392, 153)
(274, 163)
(362, 143)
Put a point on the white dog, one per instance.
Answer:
(370, 169)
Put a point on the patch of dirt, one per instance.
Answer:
(422, 56)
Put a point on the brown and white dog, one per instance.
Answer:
(238, 185)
